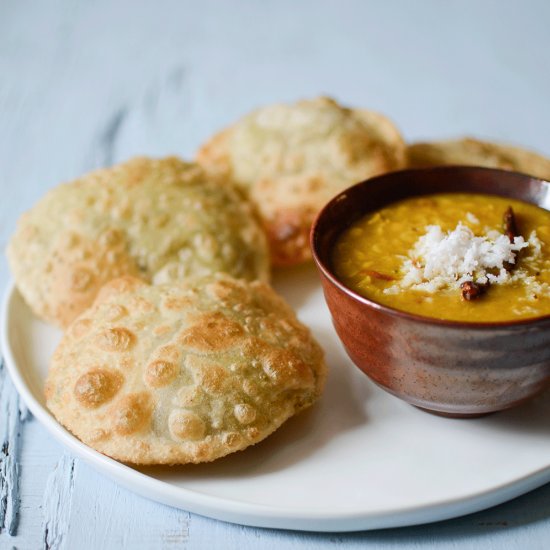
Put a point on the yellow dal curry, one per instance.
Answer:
(379, 254)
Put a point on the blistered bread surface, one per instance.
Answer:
(293, 158)
(160, 220)
(182, 372)
(474, 152)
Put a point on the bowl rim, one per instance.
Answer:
(333, 279)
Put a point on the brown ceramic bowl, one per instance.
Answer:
(448, 367)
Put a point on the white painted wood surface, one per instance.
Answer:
(85, 84)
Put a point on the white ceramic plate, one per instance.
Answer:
(360, 459)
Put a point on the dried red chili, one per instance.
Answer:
(472, 291)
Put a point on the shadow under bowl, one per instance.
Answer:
(452, 368)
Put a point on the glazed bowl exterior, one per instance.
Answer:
(448, 367)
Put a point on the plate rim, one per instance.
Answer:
(240, 511)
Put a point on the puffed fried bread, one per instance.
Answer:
(159, 220)
(293, 158)
(474, 152)
(182, 372)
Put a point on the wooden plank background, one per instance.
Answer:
(85, 84)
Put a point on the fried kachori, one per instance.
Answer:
(182, 372)
(159, 220)
(292, 158)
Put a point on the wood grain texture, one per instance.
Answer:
(87, 84)
(10, 430)
(126, 521)
(58, 497)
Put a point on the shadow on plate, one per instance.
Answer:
(340, 409)
(531, 417)
(297, 283)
